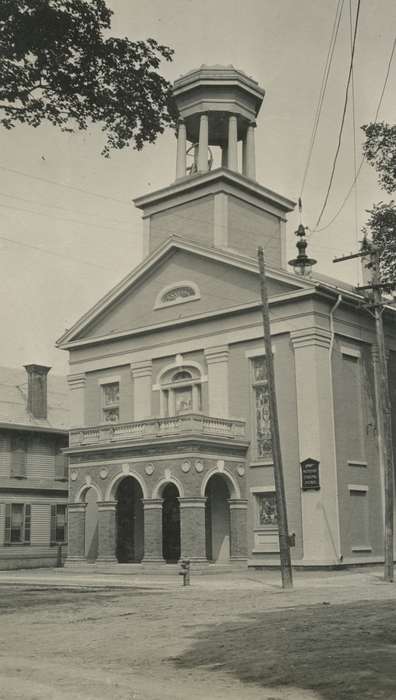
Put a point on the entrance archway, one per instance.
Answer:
(170, 524)
(217, 519)
(129, 513)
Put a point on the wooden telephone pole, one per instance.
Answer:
(284, 542)
(376, 307)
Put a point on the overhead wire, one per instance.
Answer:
(363, 159)
(341, 128)
(323, 87)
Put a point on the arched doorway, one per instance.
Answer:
(91, 525)
(170, 524)
(217, 519)
(129, 513)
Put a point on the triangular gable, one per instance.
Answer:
(220, 280)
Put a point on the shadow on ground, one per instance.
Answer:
(343, 652)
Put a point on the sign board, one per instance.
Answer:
(310, 475)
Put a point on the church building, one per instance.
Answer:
(170, 450)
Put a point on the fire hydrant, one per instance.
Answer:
(185, 571)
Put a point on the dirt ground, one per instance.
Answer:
(236, 637)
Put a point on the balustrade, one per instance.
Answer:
(173, 425)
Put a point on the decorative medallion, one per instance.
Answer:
(220, 465)
(186, 466)
(73, 475)
(104, 472)
(149, 469)
(88, 480)
(199, 466)
(241, 469)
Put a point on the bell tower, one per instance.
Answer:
(218, 106)
(215, 200)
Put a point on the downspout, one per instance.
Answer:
(339, 554)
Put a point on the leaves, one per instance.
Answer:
(382, 227)
(380, 151)
(57, 66)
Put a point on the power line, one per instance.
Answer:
(363, 160)
(62, 184)
(341, 129)
(47, 251)
(61, 218)
(322, 92)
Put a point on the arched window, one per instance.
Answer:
(181, 392)
(177, 294)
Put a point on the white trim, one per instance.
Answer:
(181, 366)
(159, 304)
(223, 472)
(257, 352)
(164, 482)
(356, 463)
(262, 489)
(358, 487)
(85, 487)
(110, 380)
(119, 477)
(352, 352)
(362, 548)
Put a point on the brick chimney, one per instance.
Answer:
(37, 390)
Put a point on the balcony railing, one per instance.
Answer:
(186, 424)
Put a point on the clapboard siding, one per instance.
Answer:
(2, 523)
(40, 528)
(4, 455)
(41, 458)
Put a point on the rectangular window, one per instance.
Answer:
(111, 402)
(263, 438)
(18, 456)
(266, 511)
(17, 523)
(58, 523)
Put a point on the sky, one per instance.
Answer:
(69, 229)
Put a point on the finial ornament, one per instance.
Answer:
(302, 264)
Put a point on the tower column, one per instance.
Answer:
(152, 530)
(224, 156)
(107, 531)
(181, 150)
(250, 159)
(203, 143)
(232, 142)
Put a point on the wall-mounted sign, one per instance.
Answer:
(310, 475)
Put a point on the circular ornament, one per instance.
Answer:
(149, 469)
(199, 466)
(241, 469)
(104, 472)
(186, 466)
(73, 475)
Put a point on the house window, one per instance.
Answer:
(263, 438)
(17, 523)
(177, 294)
(58, 523)
(181, 393)
(111, 402)
(18, 456)
(266, 511)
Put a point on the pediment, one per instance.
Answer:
(180, 282)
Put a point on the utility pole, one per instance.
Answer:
(384, 420)
(284, 542)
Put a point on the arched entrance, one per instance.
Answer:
(217, 519)
(170, 524)
(129, 513)
(91, 525)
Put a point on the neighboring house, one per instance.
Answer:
(33, 468)
(170, 448)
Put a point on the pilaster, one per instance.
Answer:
(152, 530)
(192, 529)
(316, 430)
(238, 528)
(232, 142)
(181, 150)
(107, 531)
(76, 384)
(250, 159)
(76, 532)
(217, 361)
(142, 382)
(203, 143)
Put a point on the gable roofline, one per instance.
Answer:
(175, 243)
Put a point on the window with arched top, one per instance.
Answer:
(181, 392)
(177, 294)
